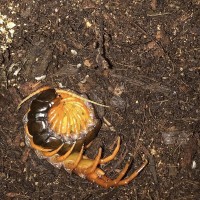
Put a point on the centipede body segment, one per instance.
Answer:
(60, 125)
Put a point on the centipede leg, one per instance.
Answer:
(78, 159)
(95, 163)
(133, 175)
(113, 155)
(37, 147)
(106, 182)
(63, 157)
(87, 146)
(121, 175)
(51, 153)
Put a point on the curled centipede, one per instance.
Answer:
(60, 125)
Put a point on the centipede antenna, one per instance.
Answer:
(31, 95)
(82, 98)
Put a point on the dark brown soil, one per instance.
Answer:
(141, 58)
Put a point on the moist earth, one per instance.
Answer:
(140, 58)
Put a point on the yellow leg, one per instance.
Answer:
(121, 175)
(112, 156)
(106, 182)
(37, 147)
(95, 163)
(51, 153)
(87, 146)
(78, 159)
(63, 157)
(133, 175)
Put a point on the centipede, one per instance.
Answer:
(60, 125)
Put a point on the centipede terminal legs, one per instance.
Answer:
(133, 175)
(106, 182)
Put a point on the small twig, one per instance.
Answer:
(112, 128)
(25, 155)
(99, 30)
(158, 14)
(156, 41)
(152, 164)
(153, 86)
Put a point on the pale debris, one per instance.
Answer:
(6, 31)
(194, 164)
(40, 78)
